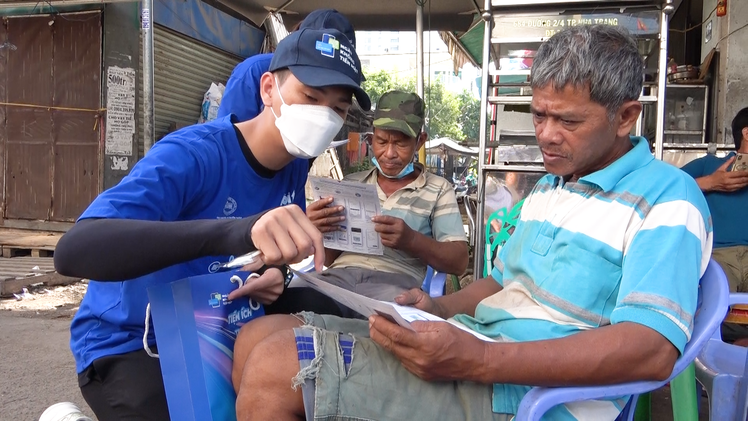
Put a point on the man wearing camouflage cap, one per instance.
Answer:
(400, 111)
(420, 223)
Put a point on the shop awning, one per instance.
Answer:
(458, 21)
(466, 46)
(380, 15)
(445, 144)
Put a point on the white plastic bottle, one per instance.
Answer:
(63, 411)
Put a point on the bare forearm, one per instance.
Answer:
(705, 183)
(722, 181)
(446, 256)
(465, 300)
(613, 354)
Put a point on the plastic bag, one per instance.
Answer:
(211, 102)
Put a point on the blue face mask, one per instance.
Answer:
(407, 170)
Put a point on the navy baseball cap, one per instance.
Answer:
(321, 58)
(329, 19)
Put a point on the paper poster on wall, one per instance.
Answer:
(120, 110)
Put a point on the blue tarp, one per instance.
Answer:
(201, 21)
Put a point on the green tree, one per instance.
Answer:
(442, 112)
(443, 109)
(377, 84)
(469, 116)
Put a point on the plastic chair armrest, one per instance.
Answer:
(540, 400)
(738, 298)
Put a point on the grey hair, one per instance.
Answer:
(604, 58)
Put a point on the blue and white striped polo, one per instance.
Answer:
(627, 243)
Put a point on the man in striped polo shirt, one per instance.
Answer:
(597, 285)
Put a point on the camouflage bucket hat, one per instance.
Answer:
(401, 111)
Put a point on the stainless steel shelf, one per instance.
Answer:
(519, 166)
(685, 132)
(686, 86)
(520, 40)
(510, 99)
(509, 72)
(509, 85)
(696, 146)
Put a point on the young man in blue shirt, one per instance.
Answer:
(201, 195)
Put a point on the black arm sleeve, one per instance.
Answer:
(121, 249)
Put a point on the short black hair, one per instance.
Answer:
(738, 124)
(282, 75)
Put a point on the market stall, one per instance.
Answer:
(446, 158)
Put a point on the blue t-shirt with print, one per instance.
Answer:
(198, 172)
(727, 208)
(242, 94)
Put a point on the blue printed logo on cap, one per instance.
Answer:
(306, 54)
(328, 45)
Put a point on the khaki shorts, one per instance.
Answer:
(344, 375)
(371, 283)
(734, 261)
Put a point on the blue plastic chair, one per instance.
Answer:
(723, 371)
(712, 309)
(434, 282)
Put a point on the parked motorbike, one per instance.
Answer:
(460, 187)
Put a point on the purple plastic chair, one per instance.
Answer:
(723, 371)
(712, 309)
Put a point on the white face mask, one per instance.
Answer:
(307, 130)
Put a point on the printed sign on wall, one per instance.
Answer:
(120, 110)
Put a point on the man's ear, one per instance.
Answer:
(627, 116)
(267, 88)
(745, 135)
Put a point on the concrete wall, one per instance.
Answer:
(716, 28)
(121, 51)
(729, 37)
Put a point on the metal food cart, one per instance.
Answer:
(509, 159)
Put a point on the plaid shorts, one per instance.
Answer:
(305, 347)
